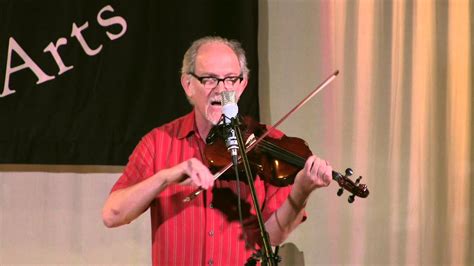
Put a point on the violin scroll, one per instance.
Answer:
(359, 190)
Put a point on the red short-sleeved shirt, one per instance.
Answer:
(205, 231)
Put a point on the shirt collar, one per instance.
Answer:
(188, 126)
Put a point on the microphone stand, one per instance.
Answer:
(268, 257)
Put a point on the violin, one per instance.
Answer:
(276, 161)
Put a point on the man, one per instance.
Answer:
(167, 165)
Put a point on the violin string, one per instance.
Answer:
(282, 153)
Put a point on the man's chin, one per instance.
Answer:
(214, 121)
(214, 117)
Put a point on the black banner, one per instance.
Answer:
(83, 81)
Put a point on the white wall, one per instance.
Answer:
(52, 215)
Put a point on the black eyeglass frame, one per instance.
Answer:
(200, 79)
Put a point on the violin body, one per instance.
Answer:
(264, 160)
(267, 159)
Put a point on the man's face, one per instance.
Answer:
(213, 60)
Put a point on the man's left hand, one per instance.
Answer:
(315, 174)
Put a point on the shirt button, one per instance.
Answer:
(211, 233)
(211, 206)
(210, 262)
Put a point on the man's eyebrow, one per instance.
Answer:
(208, 74)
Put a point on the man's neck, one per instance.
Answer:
(203, 126)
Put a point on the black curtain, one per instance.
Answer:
(124, 79)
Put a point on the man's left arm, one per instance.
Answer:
(315, 174)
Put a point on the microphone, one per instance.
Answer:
(229, 113)
(230, 109)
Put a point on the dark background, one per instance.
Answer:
(96, 112)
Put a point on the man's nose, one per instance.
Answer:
(220, 87)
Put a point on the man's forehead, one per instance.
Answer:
(215, 49)
(217, 55)
(215, 46)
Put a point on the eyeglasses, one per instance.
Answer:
(210, 82)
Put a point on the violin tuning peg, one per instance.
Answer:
(349, 172)
(340, 191)
(351, 198)
(358, 180)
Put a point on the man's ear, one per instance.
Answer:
(186, 83)
(242, 86)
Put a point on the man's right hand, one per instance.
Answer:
(125, 205)
(195, 173)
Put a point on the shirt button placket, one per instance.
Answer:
(211, 234)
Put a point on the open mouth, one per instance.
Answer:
(216, 103)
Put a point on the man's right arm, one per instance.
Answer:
(125, 205)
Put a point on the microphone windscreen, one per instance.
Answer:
(230, 109)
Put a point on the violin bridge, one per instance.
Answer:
(250, 140)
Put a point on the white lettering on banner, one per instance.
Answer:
(76, 32)
(28, 63)
(111, 21)
(53, 50)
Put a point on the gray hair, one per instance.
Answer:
(189, 59)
